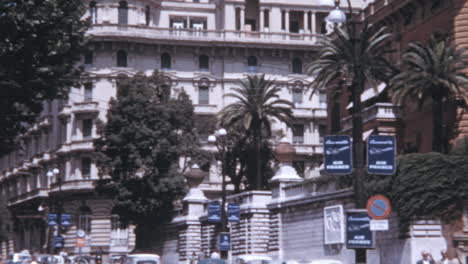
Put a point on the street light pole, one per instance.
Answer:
(219, 141)
(357, 86)
(56, 172)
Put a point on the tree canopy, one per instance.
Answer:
(41, 42)
(139, 150)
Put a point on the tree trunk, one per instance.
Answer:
(258, 141)
(437, 119)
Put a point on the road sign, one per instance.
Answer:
(378, 207)
(379, 225)
(233, 212)
(80, 233)
(358, 233)
(224, 242)
(214, 212)
(381, 152)
(338, 154)
(81, 242)
(66, 220)
(58, 242)
(52, 219)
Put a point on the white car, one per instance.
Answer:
(326, 261)
(142, 259)
(252, 259)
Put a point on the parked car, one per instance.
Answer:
(142, 259)
(22, 257)
(252, 259)
(212, 261)
(326, 261)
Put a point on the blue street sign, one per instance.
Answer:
(58, 241)
(66, 220)
(338, 154)
(52, 219)
(214, 212)
(358, 233)
(224, 242)
(381, 151)
(233, 213)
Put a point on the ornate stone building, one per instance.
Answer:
(203, 47)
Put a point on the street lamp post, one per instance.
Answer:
(338, 16)
(219, 140)
(56, 172)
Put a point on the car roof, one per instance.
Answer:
(143, 255)
(253, 257)
(326, 261)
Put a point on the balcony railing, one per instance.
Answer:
(312, 113)
(76, 145)
(308, 149)
(212, 36)
(87, 107)
(379, 111)
(205, 109)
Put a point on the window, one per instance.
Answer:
(297, 96)
(121, 58)
(203, 63)
(252, 64)
(322, 99)
(298, 134)
(297, 66)
(165, 61)
(87, 128)
(123, 13)
(84, 219)
(88, 92)
(88, 57)
(266, 15)
(119, 236)
(203, 95)
(46, 141)
(86, 168)
(93, 12)
(147, 15)
(322, 130)
(63, 131)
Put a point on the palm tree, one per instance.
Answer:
(257, 104)
(432, 72)
(352, 59)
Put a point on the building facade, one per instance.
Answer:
(204, 47)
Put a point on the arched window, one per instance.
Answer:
(165, 61)
(252, 64)
(93, 12)
(121, 58)
(147, 15)
(123, 13)
(297, 66)
(84, 219)
(203, 63)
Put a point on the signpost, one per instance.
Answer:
(66, 220)
(381, 151)
(224, 242)
(378, 207)
(233, 212)
(358, 233)
(338, 155)
(214, 212)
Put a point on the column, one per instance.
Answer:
(313, 30)
(242, 19)
(262, 19)
(306, 22)
(286, 20)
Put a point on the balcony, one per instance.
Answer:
(36, 193)
(83, 108)
(205, 109)
(378, 112)
(210, 37)
(73, 185)
(307, 149)
(76, 145)
(65, 111)
(310, 113)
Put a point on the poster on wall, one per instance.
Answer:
(333, 218)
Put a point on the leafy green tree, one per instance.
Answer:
(257, 103)
(146, 134)
(40, 44)
(432, 72)
(427, 185)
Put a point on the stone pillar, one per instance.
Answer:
(242, 18)
(262, 19)
(313, 30)
(306, 22)
(286, 20)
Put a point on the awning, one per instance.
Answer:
(369, 93)
(367, 133)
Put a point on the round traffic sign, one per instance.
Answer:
(378, 207)
(80, 233)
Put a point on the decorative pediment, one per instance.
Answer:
(204, 80)
(298, 84)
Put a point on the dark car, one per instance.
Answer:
(212, 261)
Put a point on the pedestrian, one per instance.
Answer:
(215, 255)
(426, 258)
